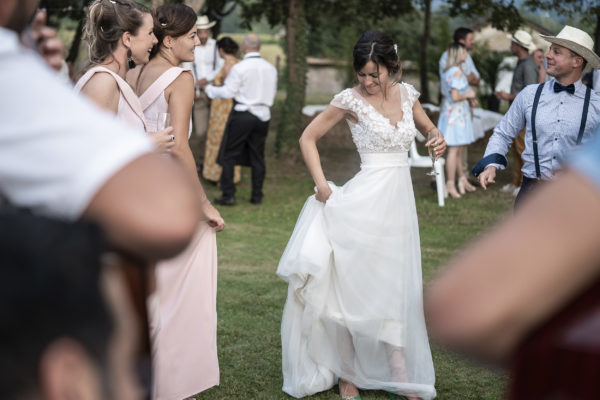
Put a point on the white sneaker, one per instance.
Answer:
(508, 188)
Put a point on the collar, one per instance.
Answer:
(252, 54)
(9, 41)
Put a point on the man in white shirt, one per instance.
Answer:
(206, 65)
(252, 83)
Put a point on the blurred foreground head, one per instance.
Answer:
(16, 14)
(62, 312)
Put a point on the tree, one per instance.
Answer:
(300, 16)
(589, 9)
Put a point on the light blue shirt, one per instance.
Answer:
(587, 160)
(467, 67)
(557, 122)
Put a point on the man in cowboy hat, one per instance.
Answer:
(557, 115)
(526, 73)
(207, 63)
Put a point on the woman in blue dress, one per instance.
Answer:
(455, 119)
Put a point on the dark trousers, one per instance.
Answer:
(243, 144)
(527, 186)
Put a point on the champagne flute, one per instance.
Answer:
(432, 137)
(163, 121)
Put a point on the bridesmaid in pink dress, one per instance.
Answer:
(119, 34)
(183, 312)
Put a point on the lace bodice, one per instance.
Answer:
(373, 133)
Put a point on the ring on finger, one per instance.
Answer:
(172, 138)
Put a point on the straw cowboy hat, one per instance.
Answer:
(578, 42)
(523, 39)
(204, 23)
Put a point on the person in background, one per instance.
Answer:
(219, 112)
(252, 83)
(464, 36)
(205, 66)
(183, 309)
(540, 61)
(526, 73)
(455, 119)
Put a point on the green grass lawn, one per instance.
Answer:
(251, 297)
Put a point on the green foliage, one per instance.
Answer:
(503, 14)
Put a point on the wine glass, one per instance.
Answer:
(163, 121)
(432, 137)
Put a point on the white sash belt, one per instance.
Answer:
(378, 160)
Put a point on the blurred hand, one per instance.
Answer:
(323, 193)
(212, 216)
(164, 139)
(50, 47)
(487, 176)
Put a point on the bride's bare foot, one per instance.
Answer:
(347, 390)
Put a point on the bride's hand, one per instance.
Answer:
(164, 139)
(323, 193)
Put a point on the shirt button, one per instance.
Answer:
(561, 102)
(558, 120)
(555, 138)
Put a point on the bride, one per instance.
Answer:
(354, 313)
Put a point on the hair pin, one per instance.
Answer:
(163, 24)
(396, 48)
(113, 1)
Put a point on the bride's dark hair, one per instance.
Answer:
(378, 47)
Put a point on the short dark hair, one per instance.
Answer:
(50, 288)
(228, 45)
(173, 20)
(461, 34)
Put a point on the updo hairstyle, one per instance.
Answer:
(377, 47)
(173, 20)
(228, 45)
(107, 20)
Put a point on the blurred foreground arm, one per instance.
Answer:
(153, 218)
(524, 271)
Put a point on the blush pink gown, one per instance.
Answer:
(183, 312)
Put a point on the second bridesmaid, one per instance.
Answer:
(183, 312)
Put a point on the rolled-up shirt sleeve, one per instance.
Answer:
(508, 129)
(230, 86)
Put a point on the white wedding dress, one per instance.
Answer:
(354, 307)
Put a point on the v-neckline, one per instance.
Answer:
(395, 126)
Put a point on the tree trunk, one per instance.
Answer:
(289, 127)
(423, 52)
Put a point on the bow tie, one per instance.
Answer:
(559, 88)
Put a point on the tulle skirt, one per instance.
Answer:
(354, 308)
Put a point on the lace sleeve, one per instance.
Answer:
(413, 94)
(343, 100)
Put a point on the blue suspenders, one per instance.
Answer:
(536, 99)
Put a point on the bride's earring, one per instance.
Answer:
(130, 60)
